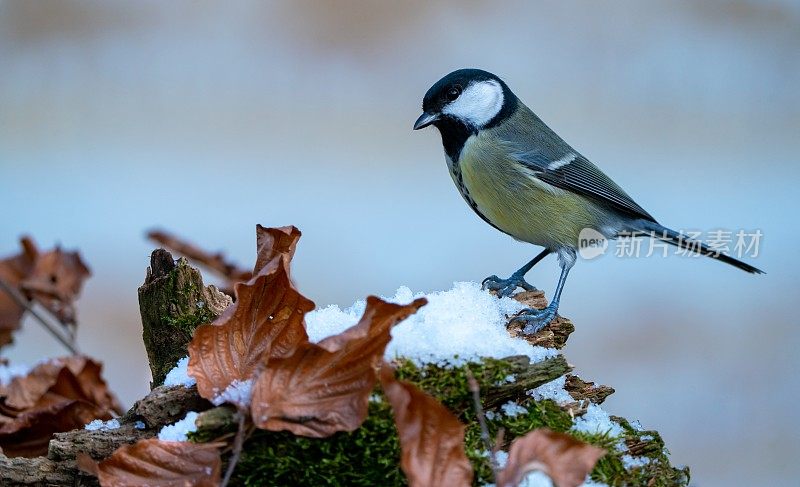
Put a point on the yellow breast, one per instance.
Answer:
(508, 195)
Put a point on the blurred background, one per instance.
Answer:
(205, 119)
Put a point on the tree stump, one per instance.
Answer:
(173, 301)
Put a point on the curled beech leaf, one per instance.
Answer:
(158, 463)
(565, 459)
(431, 437)
(265, 320)
(272, 242)
(325, 388)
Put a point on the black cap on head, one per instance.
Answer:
(452, 85)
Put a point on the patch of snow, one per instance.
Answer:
(596, 421)
(553, 390)
(99, 424)
(238, 392)
(139, 425)
(636, 424)
(647, 437)
(630, 461)
(510, 379)
(9, 372)
(501, 457)
(512, 409)
(180, 430)
(490, 415)
(536, 478)
(179, 375)
(460, 325)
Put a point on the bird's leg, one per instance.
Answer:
(505, 287)
(536, 319)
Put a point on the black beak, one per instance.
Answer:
(425, 119)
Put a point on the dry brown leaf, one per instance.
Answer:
(266, 319)
(565, 459)
(87, 464)
(29, 432)
(53, 278)
(13, 270)
(325, 388)
(56, 281)
(213, 261)
(158, 463)
(431, 437)
(271, 242)
(58, 395)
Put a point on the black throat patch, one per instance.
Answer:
(454, 135)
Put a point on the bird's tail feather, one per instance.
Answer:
(655, 230)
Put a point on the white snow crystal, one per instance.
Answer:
(456, 326)
(512, 409)
(180, 430)
(553, 390)
(238, 392)
(8, 372)
(596, 421)
(99, 424)
(630, 461)
(139, 425)
(179, 375)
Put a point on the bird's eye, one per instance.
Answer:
(453, 92)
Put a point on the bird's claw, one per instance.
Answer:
(534, 319)
(506, 287)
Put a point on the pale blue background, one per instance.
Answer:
(117, 117)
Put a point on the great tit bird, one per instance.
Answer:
(524, 180)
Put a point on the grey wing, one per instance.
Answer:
(573, 172)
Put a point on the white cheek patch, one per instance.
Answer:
(478, 104)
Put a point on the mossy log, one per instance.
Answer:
(173, 301)
(367, 456)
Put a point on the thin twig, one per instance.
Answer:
(487, 440)
(238, 444)
(21, 301)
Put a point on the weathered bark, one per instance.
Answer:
(583, 390)
(173, 301)
(165, 405)
(527, 376)
(42, 472)
(96, 444)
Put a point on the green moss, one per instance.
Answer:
(187, 323)
(370, 455)
(449, 385)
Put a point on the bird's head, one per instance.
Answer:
(472, 97)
